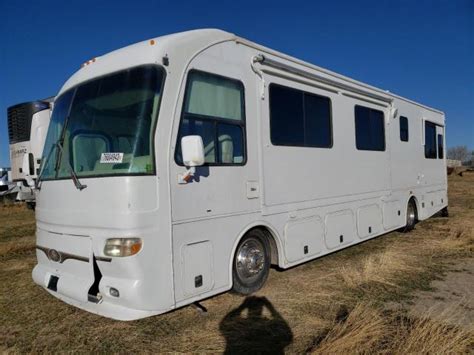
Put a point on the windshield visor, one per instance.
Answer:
(105, 126)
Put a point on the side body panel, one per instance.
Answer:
(412, 173)
(313, 201)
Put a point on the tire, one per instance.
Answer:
(445, 212)
(412, 216)
(251, 264)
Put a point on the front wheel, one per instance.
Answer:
(251, 264)
(411, 217)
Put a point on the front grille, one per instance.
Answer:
(19, 120)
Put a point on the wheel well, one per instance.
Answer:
(271, 242)
(414, 199)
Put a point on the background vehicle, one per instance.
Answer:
(183, 166)
(5, 180)
(27, 127)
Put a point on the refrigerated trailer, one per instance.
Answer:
(27, 127)
(184, 166)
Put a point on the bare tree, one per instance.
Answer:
(459, 152)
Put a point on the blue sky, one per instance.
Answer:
(423, 50)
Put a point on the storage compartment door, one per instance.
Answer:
(369, 221)
(303, 238)
(197, 268)
(339, 229)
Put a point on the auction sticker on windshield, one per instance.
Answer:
(111, 158)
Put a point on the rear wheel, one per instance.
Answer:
(251, 264)
(411, 217)
(445, 212)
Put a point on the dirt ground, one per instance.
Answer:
(454, 292)
(399, 293)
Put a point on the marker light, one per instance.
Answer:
(122, 246)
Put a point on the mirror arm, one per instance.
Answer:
(187, 175)
(26, 171)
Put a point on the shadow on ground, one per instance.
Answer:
(255, 326)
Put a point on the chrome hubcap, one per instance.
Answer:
(250, 259)
(411, 214)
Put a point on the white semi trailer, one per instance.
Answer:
(27, 127)
(186, 165)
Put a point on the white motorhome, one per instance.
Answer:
(27, 127)
(184, 166)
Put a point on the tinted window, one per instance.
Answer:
(286, 116)
(317, 121)
(299, 118)
(403, 129)
(370, 129)
(430, 140)
(440, 147)
(214, 110)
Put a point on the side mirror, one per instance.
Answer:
(192, 150)
(25, 166)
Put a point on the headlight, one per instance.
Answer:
(122, 246)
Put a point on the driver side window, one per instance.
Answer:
(214, 109)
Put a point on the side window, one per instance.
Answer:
(430, 140)
(299, 118)
(440, 147)
(214, 109)
(370, 129)
(403, 129)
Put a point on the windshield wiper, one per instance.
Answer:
(73, 174)
(40, 176)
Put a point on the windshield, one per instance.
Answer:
(105, 126)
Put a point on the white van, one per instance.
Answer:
(186, 165)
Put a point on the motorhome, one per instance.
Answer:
(187, 165)
(27, 127)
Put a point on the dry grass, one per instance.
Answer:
(342, 303)
(368, 330)
(360, 331)
(432, 335)
(381, 267)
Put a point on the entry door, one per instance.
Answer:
(214, 108)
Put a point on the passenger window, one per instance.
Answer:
(440, 147)
(403, 129)
(214, 110)
(370, 129)
(230, 143)
(299, 118)
(430, 140)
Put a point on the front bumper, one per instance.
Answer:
(74, 290)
